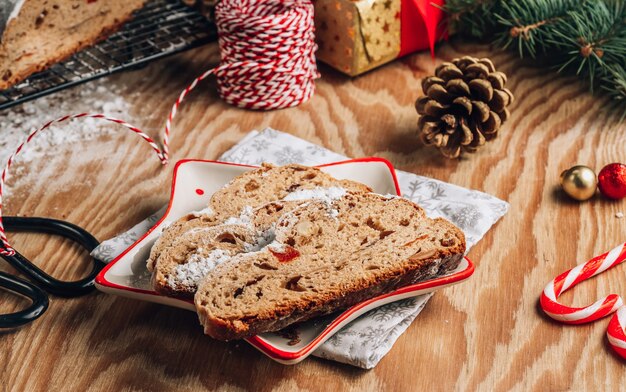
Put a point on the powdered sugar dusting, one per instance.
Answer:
(204, 212)
(244, 219)
(263, 238)
(196, 268)
(327, 195)
(277, 247)
(95, 97)
(289, 219)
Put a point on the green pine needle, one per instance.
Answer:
(584, 37)
(615, 85)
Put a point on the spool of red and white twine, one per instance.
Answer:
(267, 53)
(599, 309)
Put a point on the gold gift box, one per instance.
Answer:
(355, 36)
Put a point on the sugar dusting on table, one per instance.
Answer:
(95, 97)
(100, 96)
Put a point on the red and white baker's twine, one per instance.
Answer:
(599, 309)
(267, 53)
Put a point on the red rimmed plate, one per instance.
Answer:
(194, 182)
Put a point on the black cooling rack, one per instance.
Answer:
(161, 28)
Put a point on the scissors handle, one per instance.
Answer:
(42, 279)
(29, 290)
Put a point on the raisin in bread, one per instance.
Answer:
(38, 33)
(326, 256)
(252, 189)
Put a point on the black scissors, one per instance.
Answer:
(43, 283)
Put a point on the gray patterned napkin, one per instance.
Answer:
(367, 339)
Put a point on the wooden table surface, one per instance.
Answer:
(486, 334)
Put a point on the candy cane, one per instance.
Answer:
(615, 332)
(267, 62)
(571, 278)
(597, 310)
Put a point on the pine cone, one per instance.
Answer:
(463, 107)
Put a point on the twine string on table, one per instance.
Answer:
(612, 303)
(267, 62)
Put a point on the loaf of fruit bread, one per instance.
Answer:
(188, 247)
(35, 34)
(327, 254)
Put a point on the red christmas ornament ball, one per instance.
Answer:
(612, 181)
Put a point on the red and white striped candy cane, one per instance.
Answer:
(267, 62)
(571, 278)
(599, 309)
(615, 332)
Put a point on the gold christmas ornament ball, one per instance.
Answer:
(579, 182)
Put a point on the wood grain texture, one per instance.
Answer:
(486, 334)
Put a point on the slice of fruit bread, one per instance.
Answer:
(326, 255)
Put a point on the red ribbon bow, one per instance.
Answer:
(422, 24)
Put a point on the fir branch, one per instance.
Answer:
(593, 40)
(528, 25)
(585, 37)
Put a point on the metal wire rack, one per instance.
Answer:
(161, 28)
